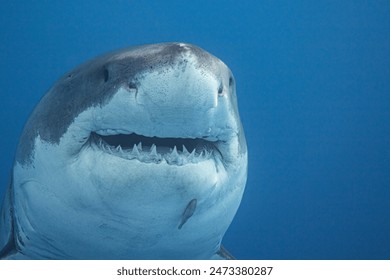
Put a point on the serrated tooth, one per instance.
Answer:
(192, 155)
(174, 153)
(174, 157)
(109, 149)
(119, 149)
(154, 156)
(153, 151)
(185, 151)
(135, 151)
(140, 146)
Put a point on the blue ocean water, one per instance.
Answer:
(313, 82)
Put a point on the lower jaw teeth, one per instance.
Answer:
(151, 155)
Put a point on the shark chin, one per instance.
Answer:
(136, 154)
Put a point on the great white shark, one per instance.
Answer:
(136, 154)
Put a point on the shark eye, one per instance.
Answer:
(231, 81)
(105, 74)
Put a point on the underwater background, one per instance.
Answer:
(313, 86)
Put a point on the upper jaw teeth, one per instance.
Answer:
(156, 154)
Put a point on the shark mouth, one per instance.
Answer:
(174, 151)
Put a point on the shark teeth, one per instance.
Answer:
(135, 152)
(173, 151)
(156, 154)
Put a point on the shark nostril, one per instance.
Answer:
(220, 89)
(132, 86)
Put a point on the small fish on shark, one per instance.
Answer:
(188, 212)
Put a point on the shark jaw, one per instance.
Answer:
(173, 151)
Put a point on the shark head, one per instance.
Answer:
(137, 154)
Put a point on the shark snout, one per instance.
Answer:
(191, 90)
(189, 97)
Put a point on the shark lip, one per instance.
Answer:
(174, 151)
